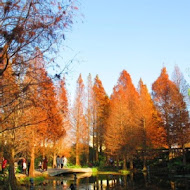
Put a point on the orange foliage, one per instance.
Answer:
(122, 134)
(79, 121)
(170, 103)
(153, 132)
(100, 114)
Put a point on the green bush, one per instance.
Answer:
(26, 180)
(94, 170)
(18, 170)
(70, 165)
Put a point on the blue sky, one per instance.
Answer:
(140, 36)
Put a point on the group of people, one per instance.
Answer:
(22, 163)
(61, 161)
(41, 165)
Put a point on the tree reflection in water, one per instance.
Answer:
(138, 181)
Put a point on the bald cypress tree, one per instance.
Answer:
(100, 114)
(153, 133)
(172, 107)
(79, 122)
(123, 131)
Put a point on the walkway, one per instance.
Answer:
(55, 171)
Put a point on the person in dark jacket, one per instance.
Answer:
(45, 163)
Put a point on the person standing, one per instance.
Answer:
(40, 165)
(24, 166)
(65, 161)
(58, 161)
(45, 163)
(62, 161)
(4, 165)
(28, 166)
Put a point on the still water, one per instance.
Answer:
(138, 181)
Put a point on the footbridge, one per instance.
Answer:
(55, 171)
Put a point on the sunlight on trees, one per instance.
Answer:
(38, 120)
(127, 125)
(29, 30)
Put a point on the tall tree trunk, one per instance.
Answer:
(93, 145)
(95, 130)
(54, 159)
(88, 138)
(12, 179)
(87, 154)
(100, 148)
(184, 156)
(43, 149)
(54, 156)
(144, 163)
(117, 162)
(96, 152)
(168, 137)
(145, 146)
(124, 163)
(145, 178)
(131, 164)
(31, 170)
(97, 144)
(2, 144)
(77, 146)
(77, 155)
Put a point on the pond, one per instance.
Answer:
(137, 181)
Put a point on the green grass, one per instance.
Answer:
(124, 171)
(27, 180)
(94, 170)
(73, 166)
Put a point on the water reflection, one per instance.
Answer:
(138, 181)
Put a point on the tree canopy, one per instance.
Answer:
(29, 25)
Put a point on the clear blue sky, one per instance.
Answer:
(140, 36)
